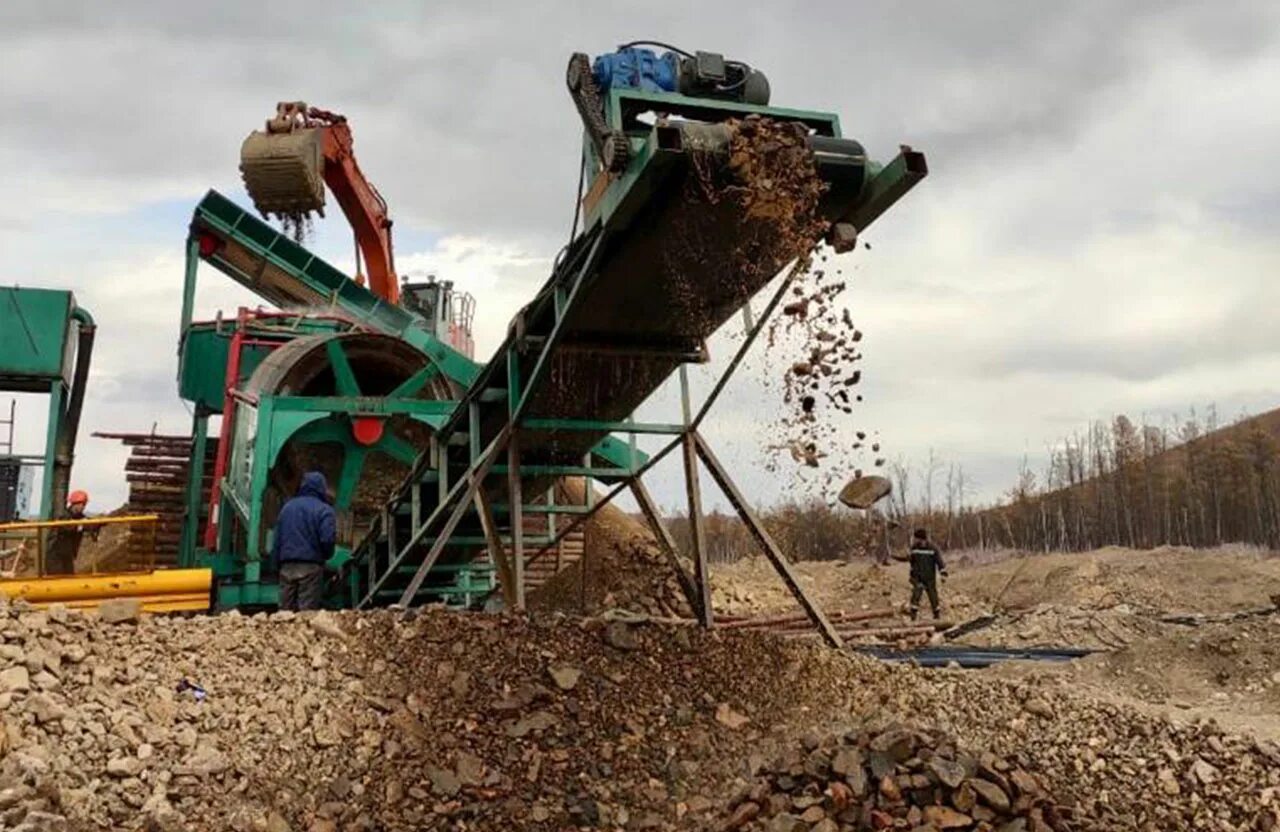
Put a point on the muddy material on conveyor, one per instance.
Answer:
(771, 182)
(738, 215)
(717, 215)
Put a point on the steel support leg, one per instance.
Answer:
(497, 550)
(57, 415)
(762, 537)
(195, 488)
(515, 497)
(701, 579)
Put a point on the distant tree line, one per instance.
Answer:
(1140, 485)
(1120, 483)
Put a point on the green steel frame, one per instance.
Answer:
(466, 491)
(283, 272)
(392, 545)
(436, 530)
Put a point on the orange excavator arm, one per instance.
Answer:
(364, 208)
(284, 165)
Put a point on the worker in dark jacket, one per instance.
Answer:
(306, 530)
(926, 564)
(64, 541)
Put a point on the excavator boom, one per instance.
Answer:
(286, 167)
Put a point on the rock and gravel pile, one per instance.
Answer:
(377, 722)
(1117, 768)
(621, 568)
(895, 778)
(439, 720)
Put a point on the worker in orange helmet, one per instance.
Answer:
(64, 541)
(76, 503)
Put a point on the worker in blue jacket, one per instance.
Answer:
(926, 565)
(306, 530)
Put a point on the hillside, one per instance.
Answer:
(1123, 484)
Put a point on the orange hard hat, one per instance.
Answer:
(78, 497)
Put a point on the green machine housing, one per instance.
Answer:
(46, 345)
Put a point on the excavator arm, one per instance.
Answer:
(286, 168)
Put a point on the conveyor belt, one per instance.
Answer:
(639, 295)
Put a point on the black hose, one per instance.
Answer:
(577, 209)
(741, 67)
(65, 443)
(658, 44)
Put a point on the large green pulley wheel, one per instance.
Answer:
(363, 456)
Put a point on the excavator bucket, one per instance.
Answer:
(284, 172)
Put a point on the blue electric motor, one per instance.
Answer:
(697, 75)
(637, 69)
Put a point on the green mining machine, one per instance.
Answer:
(440, 464)
(46, 344)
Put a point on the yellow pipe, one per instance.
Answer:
(27, 525)
(88, 590)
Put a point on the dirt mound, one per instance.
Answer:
(622, 567)
(378, 722)
(751, 586)
(1167, 578)
(1216, 663)
(1183, 580)
(1048, 625)
(382, 721)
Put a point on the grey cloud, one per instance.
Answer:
(1143, 354)
(460, 112)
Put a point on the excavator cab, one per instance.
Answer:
(449, 312)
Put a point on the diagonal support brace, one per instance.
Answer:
(665, 541)
(474, 478)
(762, 537)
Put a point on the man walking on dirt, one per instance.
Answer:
(926, 563)
(306, 530)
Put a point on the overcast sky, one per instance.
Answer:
(1098, 233)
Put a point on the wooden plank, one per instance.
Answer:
(496, 550)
